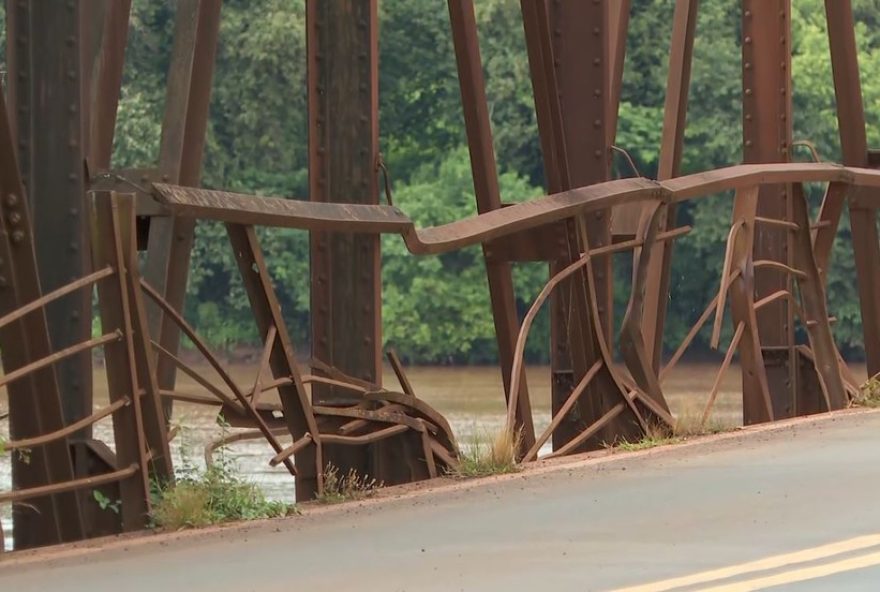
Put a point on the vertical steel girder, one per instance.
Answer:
(34, 401)
(129, 364)
(570, 101)
(343, 98)
(767, 130)
(43, 53)
(854, 145)
(582, 64)
(482, 155)
(671, 148)
(188, 97)
(106, 84)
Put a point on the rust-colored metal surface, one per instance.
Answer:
(337, 412)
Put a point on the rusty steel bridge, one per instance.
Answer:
(74, 225)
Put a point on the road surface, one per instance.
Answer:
(794, 508)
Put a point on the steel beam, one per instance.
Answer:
(34, 401)
(43, 53)
(580, 324)
(485, 174)
(106, 84)
(343, 97)
(184, 127)
(678, 83)
(854, 145)
(767, 130)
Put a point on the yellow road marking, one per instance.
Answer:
(775, 562)
(801, 575)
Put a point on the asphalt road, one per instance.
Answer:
(791, 509)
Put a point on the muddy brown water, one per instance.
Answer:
(471, 398)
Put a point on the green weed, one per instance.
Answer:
(212, 497)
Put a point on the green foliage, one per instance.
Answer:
(436, 309)
(217, 495)
(105, 503)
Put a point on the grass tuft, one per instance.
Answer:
(489, 454)
(687, 425)
(869, 393)
(212, 497)
(351, 486)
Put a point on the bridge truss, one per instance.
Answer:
(72, 223)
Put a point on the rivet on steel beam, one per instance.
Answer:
(70, 41)
(71, 74)
(17, 236)
(748, 92)
(72, 177)
(15, 218)
(748, 40)
(748, 116)
(12, 200)
(748, 13)
(747, 66)
(73, 247)
(73, 211)
(597, 62)
(3, 282)
(597, 92)
(74, 315)
(597, 123)
(367, 341)
(598, 153)
(748, 142)
(596, 30)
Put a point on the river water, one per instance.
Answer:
(471, 398)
